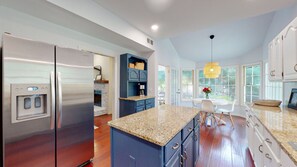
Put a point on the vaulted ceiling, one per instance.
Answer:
(175, 17)
(231, 39)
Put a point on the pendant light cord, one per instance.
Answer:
(211, 50)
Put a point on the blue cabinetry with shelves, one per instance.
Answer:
(130, 81)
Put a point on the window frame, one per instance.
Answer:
(260, 63)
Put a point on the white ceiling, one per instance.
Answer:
(231, 39)
(181, 16)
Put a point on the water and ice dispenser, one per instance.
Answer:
(29, 101)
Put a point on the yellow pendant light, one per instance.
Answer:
(212, 69)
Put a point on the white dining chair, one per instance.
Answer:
(228, 112)
(208, 108)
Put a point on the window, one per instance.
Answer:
(223, 87)
(252, 82)
(187, 78)
(273, 90)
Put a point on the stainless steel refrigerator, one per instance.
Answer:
(47, 104)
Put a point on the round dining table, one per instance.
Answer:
(215, 102)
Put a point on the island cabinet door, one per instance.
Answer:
(188, 151)
(196, 144)
(175, 160)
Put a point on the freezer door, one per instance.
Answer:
(28, 118)
(75, 109)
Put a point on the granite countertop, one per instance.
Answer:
(136, 98)
(156, 125)
(281, 122)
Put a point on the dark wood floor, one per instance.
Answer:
(220, 146)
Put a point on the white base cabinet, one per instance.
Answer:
(265, 150)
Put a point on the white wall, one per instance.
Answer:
(92, 11)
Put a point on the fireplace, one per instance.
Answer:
(98, 98)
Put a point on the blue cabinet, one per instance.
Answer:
(131, 78)
(142, 76)
(128, 150)
(175, 161)
(128, 107)
(196, 144)
(133, 75)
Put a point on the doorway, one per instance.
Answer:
(163, 85)
(174, 87)
(104, 84)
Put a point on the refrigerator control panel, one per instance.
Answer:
(29, 101)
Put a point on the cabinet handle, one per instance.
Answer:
(271, 73)
(186, 155)
(268, 141)
(176, 146)
(260, 148)
(196, 137)
(250, 116)
(295, 67)
(183, 158)
(247, 123)
(190, 129)
(268, 156)
(256, 124)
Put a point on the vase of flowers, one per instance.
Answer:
(207, 91)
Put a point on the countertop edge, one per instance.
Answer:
(140, 98)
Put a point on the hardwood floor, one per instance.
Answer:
(219, 146)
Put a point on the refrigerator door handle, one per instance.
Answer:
(53, 100)
(59, 89)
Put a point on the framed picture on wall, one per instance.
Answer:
(293, 99)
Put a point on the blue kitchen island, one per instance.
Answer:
(164, 136)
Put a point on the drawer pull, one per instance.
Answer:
(260, 148)
(295, 67)
(268, 141)
(186, 155)
(250, 116)
(268, 156)
(183, 157)
(176, 146)
(247, 123)
(181, 160)
(190, 129)
(196, 136)
(257, 125)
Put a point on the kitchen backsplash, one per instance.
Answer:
(287, 91)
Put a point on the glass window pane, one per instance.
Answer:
(257, 70)
(256, 80)
(248, 80)
(201, 74)
(248, 71)
(232, 71)
(187, 84)
(232, 80)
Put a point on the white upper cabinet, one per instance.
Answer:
(271, 60)
(275, 56)
(290, 51)
(278, 44)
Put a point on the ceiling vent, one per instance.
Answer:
(150, 41)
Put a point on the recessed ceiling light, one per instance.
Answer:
(155, 27)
